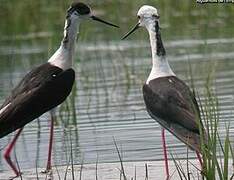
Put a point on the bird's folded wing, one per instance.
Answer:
(35, 100)
(172, 107)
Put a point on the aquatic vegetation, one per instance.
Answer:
(217, 152)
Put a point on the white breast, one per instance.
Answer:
(62, 58)
(160, 68)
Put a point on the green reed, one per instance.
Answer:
(215, 152)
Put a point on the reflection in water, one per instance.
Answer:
(106, 100)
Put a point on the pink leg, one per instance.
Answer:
(48, 167)
(165, 152)
(8, 152)
(199, 158)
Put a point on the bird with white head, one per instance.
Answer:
(168, 99)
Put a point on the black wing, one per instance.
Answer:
(42, 89)
(171, 103)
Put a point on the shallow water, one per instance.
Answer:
(106, 102)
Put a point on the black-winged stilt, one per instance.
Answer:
(168, 99)
(46, 86)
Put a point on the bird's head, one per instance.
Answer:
(79, 10)
(147, 17)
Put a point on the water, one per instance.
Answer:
(106, 102)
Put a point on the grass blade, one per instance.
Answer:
(121, 162)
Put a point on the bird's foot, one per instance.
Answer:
(16, 176)
(47, 171)
(203, 172)
(167, 177)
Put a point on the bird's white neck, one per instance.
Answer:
(63, 57)
(160, 65)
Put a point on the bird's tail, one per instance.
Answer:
(193, 140)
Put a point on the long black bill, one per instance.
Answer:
(131, 31)
(102, 21)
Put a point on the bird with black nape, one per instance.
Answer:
(168, 99)
(46, 86)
